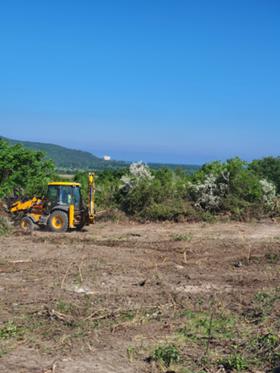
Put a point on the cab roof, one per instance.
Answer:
(64, 183)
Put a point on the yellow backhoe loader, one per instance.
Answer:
(63, 208)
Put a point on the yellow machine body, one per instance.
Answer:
(24, 205)
(62, 209)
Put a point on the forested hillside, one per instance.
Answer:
(72, 159)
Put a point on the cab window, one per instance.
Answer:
(53, 194)
(77, 196)
(66, 195)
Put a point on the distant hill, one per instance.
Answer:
(72, 159)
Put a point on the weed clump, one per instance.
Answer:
(182, 237)
(166, 355)
(234, 362)
(266, 347)
(9, 330)
(4, 225)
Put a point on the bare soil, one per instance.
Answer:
(103, 299)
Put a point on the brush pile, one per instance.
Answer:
(5, 224)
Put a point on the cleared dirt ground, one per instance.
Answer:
(107, 299)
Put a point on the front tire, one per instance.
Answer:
(26, 224)
(58, 221)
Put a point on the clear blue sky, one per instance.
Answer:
(157, 80)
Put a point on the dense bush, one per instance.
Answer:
(153, 194)
(232, 188)
(23, 171)
(268, 168)
(175, 211)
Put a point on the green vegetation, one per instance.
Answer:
(227, 340)
(199, 324)
(64, 307)
(181, 237)
(69, 159)
(234, 362)
(23, 171)
(107, 186)
(232, 190)
(209, 337)
(268, 168)
(167, 355)
(233, 187)
(10, 330)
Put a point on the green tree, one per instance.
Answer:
(23, 170)
(231, 186)
(268, 168)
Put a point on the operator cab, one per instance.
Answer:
(64, 194)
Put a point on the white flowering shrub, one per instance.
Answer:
(138, 171)
(234, 188)
(136, 189)
(210, 192)
(269, 192)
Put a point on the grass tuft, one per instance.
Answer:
(167, 355)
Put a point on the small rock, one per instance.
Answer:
(81, 290)
(238, 264)
(142, 283)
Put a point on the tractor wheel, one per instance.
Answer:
(26, 224)
(82, 223)
(58, 221)
(80, 226)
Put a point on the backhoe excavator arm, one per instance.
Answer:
(91, 202)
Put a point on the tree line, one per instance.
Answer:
(234, 189)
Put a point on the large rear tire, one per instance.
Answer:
(26, 224)
(58, 221)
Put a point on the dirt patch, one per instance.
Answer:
(25, 360)
(102, 299)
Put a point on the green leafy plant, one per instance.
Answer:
(181, 237)
(131, 352)
(64, 307)
(265, 347)
(9, 330)
(198, 324)
(167, 354)
(234, 362)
